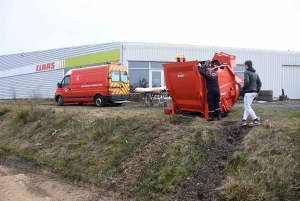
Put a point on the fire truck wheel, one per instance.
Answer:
(60, 101)
(99, 101)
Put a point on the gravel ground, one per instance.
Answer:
(277, 105)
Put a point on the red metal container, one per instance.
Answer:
(187, 87)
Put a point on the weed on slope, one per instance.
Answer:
(220, 145)
(143, 154)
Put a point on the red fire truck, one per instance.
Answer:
(102, 84)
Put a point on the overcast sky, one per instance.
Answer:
(32, 25)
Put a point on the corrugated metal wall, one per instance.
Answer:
(34, 85)
(41, 83)
(278, 69)
(269, 64)
(24, 59)
(291, 81)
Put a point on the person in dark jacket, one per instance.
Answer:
(251, 88)
(213, 90)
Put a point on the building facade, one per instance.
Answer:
(35, 74)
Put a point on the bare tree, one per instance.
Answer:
(13, 93)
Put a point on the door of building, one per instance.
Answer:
(157, 78)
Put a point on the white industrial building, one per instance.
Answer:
(35, 74)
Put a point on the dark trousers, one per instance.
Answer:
(213, 101)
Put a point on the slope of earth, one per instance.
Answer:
(19, 182)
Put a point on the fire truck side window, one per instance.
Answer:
(115, 76)
(124, 77)
(66, 81)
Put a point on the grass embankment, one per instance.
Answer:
(92, 145)
(267, 166)
(150, 152)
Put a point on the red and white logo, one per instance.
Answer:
(180, 75)
(44, 67)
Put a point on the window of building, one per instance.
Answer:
(138, 64)
(140, 74)
(157, 65)
(240, 69)
(241, 74)
(138, 79)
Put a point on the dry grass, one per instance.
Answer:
(96, 145)
(149, 155)
(267, 166)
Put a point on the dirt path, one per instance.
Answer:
(202, 185)
(18, 185)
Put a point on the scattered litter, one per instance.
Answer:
(91, 120)
(38, 144)
(54, 132)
